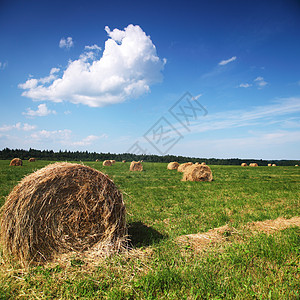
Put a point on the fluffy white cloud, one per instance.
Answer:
(128, 66)
(66, 43)
(94, 47)
(89, 140)
(260, 81)
(42, 111)
(18, 126)
(227, 61)
(245, 85)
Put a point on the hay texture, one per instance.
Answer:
(32, 159)
(107, 163)
(197, 173)
(244, 165)
(113, 161)
(16, 162)
(182, 167)
(253, 165)
(203, 163)
(273, 165)
(269, 165)
(60, 208)
(173, 165)
(136, 166)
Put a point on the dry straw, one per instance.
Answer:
(273, 165)
(253, 165)
(173, 165)
(16, 162)
(107, 163)
(32, 159)
(269, 165)
(136, 166)
(197, 173)
(60, 208)
(244, 165)
(113, 161)
(182, 167)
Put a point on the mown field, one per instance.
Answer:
(160, 208)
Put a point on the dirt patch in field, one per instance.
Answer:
(220, 235)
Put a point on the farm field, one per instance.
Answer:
(161, 208)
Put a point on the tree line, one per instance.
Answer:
(9, 154)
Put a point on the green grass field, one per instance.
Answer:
(160, 207)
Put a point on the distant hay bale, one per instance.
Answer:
(269, 165)
(123, 161)
(197, 173)
(16, 162)
(182, 167)
(32, 159)
(197, 163)
(173, 165)
(273, 165)
(97, 160)
(253, 165)
(107, 163)
(60, 208)
(136, 166)
(142, 161)
(113, 161)
(244, 165)
(296, 166)
(203, 163)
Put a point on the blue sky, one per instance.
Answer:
(103, 76)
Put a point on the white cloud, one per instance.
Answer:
(3, 65)
(66, 43)
(93, 47)
(18, 126)
(245, 85)
(89, 140)
(42, 111)
(227, 61)
(260, 81)
(127, 68)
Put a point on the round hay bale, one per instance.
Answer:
(173, 165)
(273, 165)
(136, 166)
(253, 165)
(113, 161)
(16, 162)
(296, 166)
(197, 173)
(269, 165)
(107, 163)
(182, 167)
(123, 161)
(97, 160)
(32, 159)
(203, 163)
(244, 165)
(60, 208)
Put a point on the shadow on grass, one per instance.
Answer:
(142, 235)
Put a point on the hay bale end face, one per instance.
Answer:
(60, 208)
(253, 165)
(269, 165)
(197, 173)
(136, 166)
(244, 165)
(273, 165)
(32, 159)
(173, 165)
(107, 163)
(16, 162)
(182, 167)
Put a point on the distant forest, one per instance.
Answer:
(92, 156)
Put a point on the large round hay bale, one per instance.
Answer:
(60, 208)
(16, 162)
(32, 159)
(269, 165)
(296, 166)
(107, 163)
(244, 165)
(253, 165)
(203, 163)
(113, 161)
(273, 165)
(173, 165)
(136, 166)
(182, 167)
(197, 173)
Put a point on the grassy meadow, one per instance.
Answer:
(160, 208)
